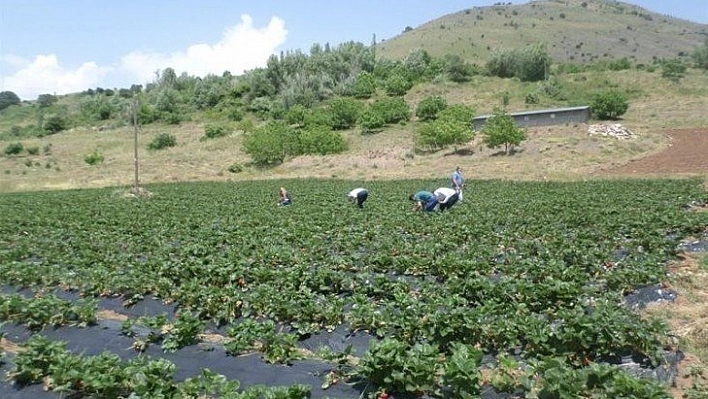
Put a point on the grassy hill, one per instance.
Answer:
(573, 31)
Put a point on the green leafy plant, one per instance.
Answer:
(162, 141)
(94, 158)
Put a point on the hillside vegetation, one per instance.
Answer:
(574, 31)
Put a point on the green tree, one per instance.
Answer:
(321, 140)
(457, 69)
(609, 105)
(700, 56)
(344, 112)
(371, 121)
(271, 143)
(46, 100)
(8, 98)
(392, 109)
(500, 129)
(55, 123)
(429, 107)
(364, 85)
(452, 127)
(397, 85)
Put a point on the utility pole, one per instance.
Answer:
(136, 104)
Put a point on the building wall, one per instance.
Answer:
(560, 116)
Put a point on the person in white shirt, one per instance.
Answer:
(359, 196)
(447, 197)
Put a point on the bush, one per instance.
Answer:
(397, 85)
(321, 140)
(236, 168)
(55, 124)
(33, 150)
(393, 110)
(271, 143)
(609, 105)
(163, 140)
(371, 121)
(453, 127)
(14, 149)
(213, 132)
(94, 158)
(429, 107)
(344, 112)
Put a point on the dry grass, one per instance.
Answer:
(688, 320)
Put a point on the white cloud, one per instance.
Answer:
(242, 47)
(45, 75)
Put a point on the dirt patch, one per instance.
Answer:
(9, 346)
(106, 314)
(686, 154)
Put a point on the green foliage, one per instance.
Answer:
(500, 129)
(371, 121)
(235, 168)
(528, 64)
(397, 85)
(214, 131)
(452, 127)
(13, 149)
(94, 158)
(462, 372)
(673, 70)
(46, 100)
(33, 150)
(8, 98)
(458, 70)
(609, 104)
(55, 124)
(271, 143)
(699, 56)
(392, 109)
(344, 112)
(162, 141)
(296, 115)
(321, 140)
(429, 107)
(364, 85)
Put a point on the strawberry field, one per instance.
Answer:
(211, 290)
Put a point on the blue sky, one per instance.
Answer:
(66, 46)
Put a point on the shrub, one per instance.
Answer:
(55, 124)
(371, 121)
(393, 110)
(321, 140)
(236, 168)
(33, 150)
(163, 140)
(344, 112)
(452, 127)
(397, 85)
(271, 143)
(14, 149)
(94, 158)
(213, 132)
(609, 105)
(429, 107)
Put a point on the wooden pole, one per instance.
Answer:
(135, 126)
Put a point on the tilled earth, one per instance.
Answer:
(686, 155)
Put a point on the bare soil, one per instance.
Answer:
(686, 154)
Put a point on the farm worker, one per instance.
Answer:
(426, 200)
(284, 197)
(457, 181)
(447, 197)
(359, 196)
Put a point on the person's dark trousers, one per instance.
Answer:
(361, 197)
(450, 202)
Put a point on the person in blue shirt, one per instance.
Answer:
(425, 200)
(457, 182)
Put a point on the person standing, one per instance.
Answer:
(458, 182)
(359, 196)
(447, 197)
(284, 197)
(425, 200)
